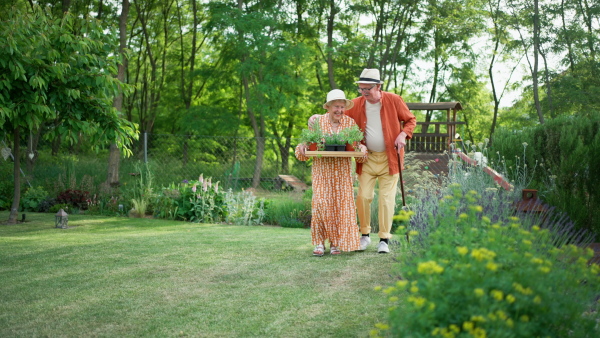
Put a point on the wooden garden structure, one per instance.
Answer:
(428, 137)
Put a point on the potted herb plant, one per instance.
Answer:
(352, 137)
(313, 138)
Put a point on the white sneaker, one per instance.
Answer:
(364, 242)
(382, 247)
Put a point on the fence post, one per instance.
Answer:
(145, 147)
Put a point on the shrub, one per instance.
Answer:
(244, 208)
(45, 205)
(56, 208)
(288, 213)
(76, 198)
(499, 279)
(565, 149)
(32, 197)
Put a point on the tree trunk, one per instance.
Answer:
(536, 48)
(114, 157)
(14, 209)
(330, 21)
(66, 4)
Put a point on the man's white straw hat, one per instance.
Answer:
(369, 76)
(335, 95)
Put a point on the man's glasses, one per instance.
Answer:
(364, 90)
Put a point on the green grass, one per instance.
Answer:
(144, 277)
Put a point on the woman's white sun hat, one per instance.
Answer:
(335, 95)
(369, 76)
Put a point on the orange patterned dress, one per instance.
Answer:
(333, 207)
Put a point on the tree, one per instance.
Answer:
(61, 79)
(112, 177)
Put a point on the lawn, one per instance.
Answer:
(108, 276)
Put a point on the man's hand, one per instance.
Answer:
(400, 141)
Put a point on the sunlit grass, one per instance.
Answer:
(144, 277)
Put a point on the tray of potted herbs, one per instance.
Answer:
(343, 144)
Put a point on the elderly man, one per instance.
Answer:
(387, 123)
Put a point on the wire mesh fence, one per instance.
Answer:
(233, 161)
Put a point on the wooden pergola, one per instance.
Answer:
(434, 141)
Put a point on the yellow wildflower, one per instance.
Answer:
(417, 301)
(535, 228)
(462, 250)
(476, 208)
(497, 294)
(393, 299)
(537, 260)
(526, 242)
(377, 288)
(483, 253)
(414, 289)
(389, 290)
(524, 318)
(402, 283)
(544, 269)
(537, 299)
(486, 219)
(491, 266)
(501, 314)
(468, 326)
(479, 333)
(382, 326)
(429, 268)
(463, 216)
(478, 319)
(413, 233)
(510, 298)
(479, 292)
(510, 323)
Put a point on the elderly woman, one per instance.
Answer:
(333, 208)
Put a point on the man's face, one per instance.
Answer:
(370, 91)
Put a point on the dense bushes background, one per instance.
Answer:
(563, 159)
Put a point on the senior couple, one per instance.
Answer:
(386, 123)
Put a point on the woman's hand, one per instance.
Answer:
(302, 148)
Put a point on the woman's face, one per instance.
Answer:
(336, 110)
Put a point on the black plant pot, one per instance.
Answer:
(335, 147)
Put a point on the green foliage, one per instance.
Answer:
(288, 212)
(565, 151)
(142, 190)
(198, 201)
(243, 208)
(63, 77)
(502, 278)
(6, 184)
(32, 197)
(312, 135)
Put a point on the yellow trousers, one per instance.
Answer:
(376, 168)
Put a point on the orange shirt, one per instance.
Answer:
(395, 118)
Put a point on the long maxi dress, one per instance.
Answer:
(333, 206)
